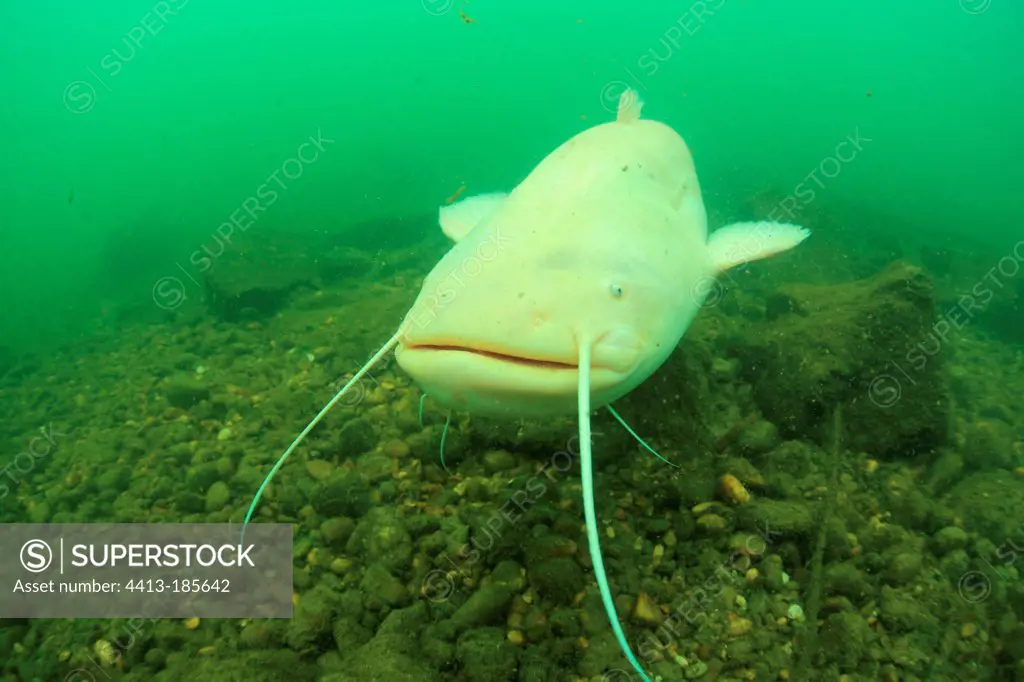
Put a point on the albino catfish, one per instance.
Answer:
(584, 279)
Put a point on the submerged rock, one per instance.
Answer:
(253, 281)
(343, 494)
(395, 652)
(184, 392)
(870, 346)
(489, 604)
(485, 654)
(381, 537)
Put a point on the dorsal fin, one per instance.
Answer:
(630, 105)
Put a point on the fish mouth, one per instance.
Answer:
(521, 360)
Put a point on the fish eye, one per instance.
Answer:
(616, 290)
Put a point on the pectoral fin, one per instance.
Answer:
(458, 219)
(743, 242)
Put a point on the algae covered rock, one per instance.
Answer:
(871, 346)
(310, 626)
(345, 493)
(254, 280)
(382, 585)
(486, 654)
(490, 603)
(217, 497)
(336, 532)
(787, 518)
(845, 637)
(989, 504)
(394, 653)
(184, 391)
(381, 537)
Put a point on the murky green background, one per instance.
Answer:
(159, 142)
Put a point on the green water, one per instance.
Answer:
(159, 143)
(164, 166)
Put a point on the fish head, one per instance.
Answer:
(497, 327)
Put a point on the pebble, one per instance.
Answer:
(732, 490)
(319, 469)
(396, 448)
(218, 496)
(340, 566)
(950, 539)
(104, 650)
(711, 522)
(645, 610)
(739, 626)
(497, 461)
